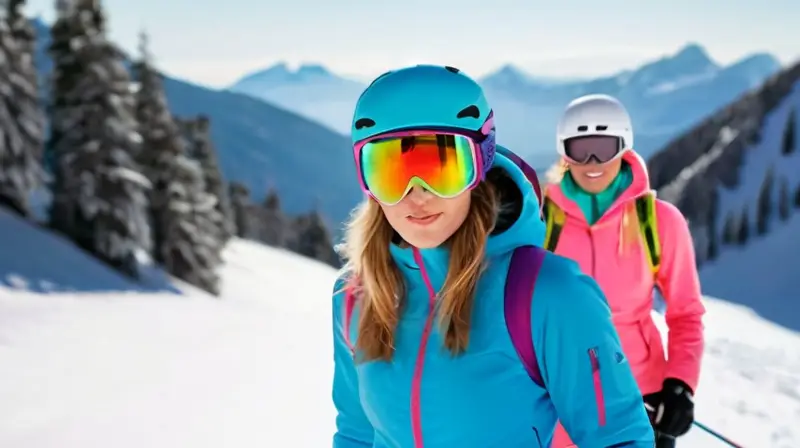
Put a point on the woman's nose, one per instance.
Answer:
(419, 195)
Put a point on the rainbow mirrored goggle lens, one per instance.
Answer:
(444, 164)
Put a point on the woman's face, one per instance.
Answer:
(425, 220)
(593, 177)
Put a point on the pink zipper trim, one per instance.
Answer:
(416, 381)
(598, 387)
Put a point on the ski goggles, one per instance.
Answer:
(601, 148)
(445, 163)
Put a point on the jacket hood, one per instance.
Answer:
(519, 221)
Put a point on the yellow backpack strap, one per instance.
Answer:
(648, 226)
(554, 220)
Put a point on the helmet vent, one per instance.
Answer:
(583, 128)
(469, 111)
(364, 123)
(601, 128)
(451, 69)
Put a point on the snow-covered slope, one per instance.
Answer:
(746, 175)
(88, 369)
(772, 262)
(125, 368)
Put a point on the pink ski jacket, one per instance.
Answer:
(625, 277)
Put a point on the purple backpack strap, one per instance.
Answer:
(520, 283)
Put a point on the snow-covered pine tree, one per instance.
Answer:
(274, 226)
(313, 239)
(99, 194)
(23, 31)
(202, 149)
(240, 203)
(21, 114)
(183, 214)
(161, 141)
(191, 249)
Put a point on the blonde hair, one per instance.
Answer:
(629, 234)
(377, 283)
(556, 172)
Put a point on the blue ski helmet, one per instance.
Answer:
(425, 97)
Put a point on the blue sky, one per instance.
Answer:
(215, 42)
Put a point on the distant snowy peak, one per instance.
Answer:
(508, 75)
(749, 72)
(511, 77)
(691, 62)
(692, 57)
(281, 75)
(689, 65)
(755, 67)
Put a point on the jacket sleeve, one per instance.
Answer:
(353, 430)
(588, 378)
(680, 286)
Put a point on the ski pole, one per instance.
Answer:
(717, 435)
(705, 428)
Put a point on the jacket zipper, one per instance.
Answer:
(599, 396)
(591, 245)
(416, 381)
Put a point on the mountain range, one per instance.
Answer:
(261, 145)
(281, 128)
(665, 96)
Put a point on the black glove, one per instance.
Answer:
(671, 410)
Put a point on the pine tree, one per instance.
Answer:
(161, 142)
(730, 229)
(21, 114)
(191, 249)
(202, 150)
(744, 228)
(713, 243)
(764, 207)
(797, 197)
(184, 217)
(240, 203)
(314, 240)
(789, 141)
(784, 201)
(274, 223)
(99, 195)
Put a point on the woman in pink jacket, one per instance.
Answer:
(602, 214)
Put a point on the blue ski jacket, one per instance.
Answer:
(484, 398)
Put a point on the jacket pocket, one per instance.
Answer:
(599, 394)
(635, 342)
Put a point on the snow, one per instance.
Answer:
(762, 156)
(749, 388)
(683, 81)
(772, 292)
(134, 369)
(92, 360)
(725, 137)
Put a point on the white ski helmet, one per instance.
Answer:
(594, 115)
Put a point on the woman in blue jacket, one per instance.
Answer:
(423, 351)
